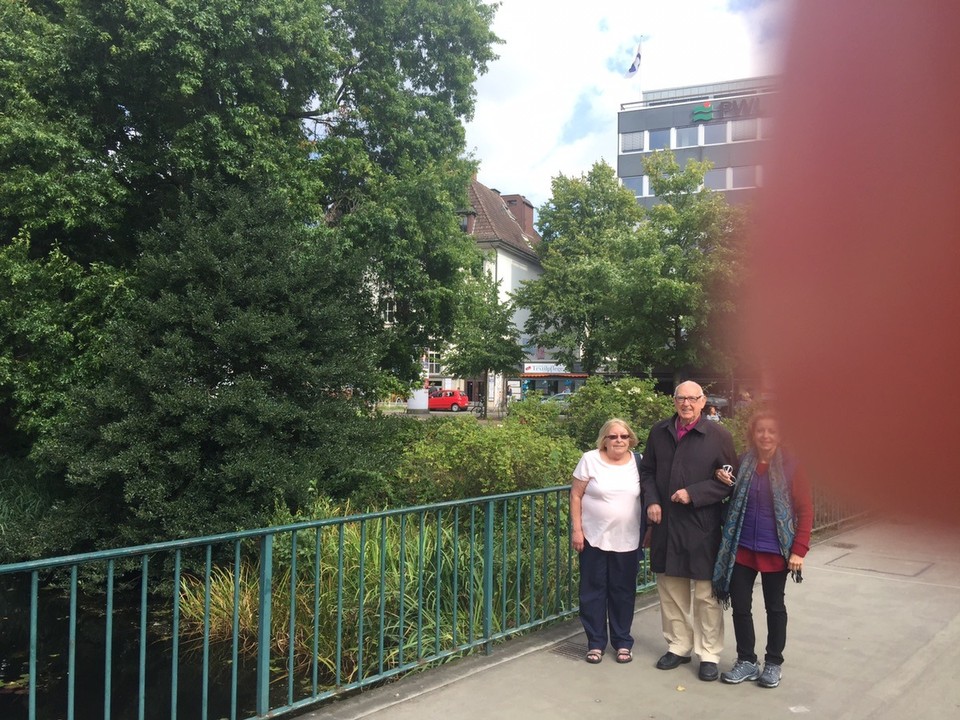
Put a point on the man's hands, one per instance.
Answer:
(654, 513)
(681, 496)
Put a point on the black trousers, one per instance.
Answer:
(741, 600)
(608, 595)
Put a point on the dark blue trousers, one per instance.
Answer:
(608, 593)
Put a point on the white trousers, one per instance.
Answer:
(692, 621)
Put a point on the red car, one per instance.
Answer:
(452, 400)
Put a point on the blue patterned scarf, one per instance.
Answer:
(781, 477)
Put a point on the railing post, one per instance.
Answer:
(32, 690)
(488, 577)
(263, 626)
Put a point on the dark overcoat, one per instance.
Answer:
(686, 541)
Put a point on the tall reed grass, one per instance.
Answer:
(377, 593)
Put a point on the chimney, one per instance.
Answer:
(522, 210)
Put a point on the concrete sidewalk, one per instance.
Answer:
(874, 633)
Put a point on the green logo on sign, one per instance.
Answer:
(703, 113)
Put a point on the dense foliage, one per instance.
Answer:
(629, 399)
(456, 459)
(629, 290)
(205, 212)
(586, 226)
(204, 209)
(485, 339)
(537, 445)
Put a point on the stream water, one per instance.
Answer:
(53, 658)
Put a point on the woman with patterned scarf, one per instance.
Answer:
(767, 531)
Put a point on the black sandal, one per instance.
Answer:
(624, 655)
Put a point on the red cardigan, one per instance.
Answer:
(802, 499)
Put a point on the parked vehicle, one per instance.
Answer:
(562, 397)
(452, 400)
(719, 402)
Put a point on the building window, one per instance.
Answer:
(659, 139)
(631, 142)
(634, 184)
(389, 311)
(715, 179)
(766, 128)
(743, 176)
(688, 136)
(715, 133)
(744, 130)
(433, 363)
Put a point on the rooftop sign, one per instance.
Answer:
(712, 110)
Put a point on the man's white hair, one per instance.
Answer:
(688, 382)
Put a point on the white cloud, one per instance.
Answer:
(549, 104)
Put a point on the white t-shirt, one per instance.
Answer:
(610, 508)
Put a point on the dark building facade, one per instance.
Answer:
(724, 123)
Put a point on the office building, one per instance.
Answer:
(724, 123)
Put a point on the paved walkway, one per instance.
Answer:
(874, 633)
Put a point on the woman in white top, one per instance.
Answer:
(606, 514)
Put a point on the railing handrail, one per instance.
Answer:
(460, 575)
(136, 550)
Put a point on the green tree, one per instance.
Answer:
(630, 290)
(586, 227)
(220, 381)
(630, 399)
(333, 130)
(357, 105)
(52, 312)
(485, 339)
(689, 265)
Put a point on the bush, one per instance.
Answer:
(23, 501)
(407, 589)
(461, 459)
(631, 399)
(539, 416)
(364, 458)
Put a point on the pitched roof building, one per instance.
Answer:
(503, 227)
(502, 222)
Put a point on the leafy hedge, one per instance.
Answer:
(458, 459)
(630, 399)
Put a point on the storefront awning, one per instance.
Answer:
(553, 375)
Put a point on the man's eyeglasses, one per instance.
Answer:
(621, 437)
(686, 398)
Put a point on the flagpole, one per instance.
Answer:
(639, 76)
(634, 69)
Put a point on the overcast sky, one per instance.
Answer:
(549, 105)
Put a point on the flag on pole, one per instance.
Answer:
(635, 66)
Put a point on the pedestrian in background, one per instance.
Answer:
(606, 516)
(767, 531)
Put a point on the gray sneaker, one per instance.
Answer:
(770, 677)
(741, 670)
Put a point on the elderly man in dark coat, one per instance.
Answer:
(684, 507)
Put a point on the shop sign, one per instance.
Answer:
(551, 368)
(726, 110)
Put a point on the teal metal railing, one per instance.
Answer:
(256, 623)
